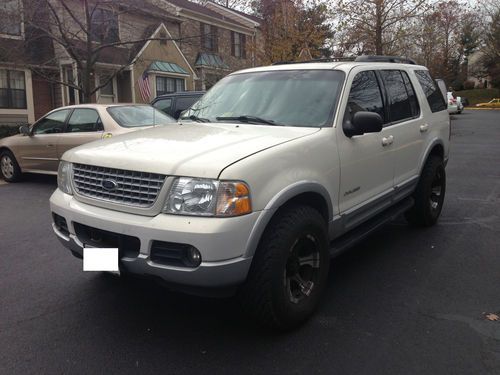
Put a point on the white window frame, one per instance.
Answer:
(168, 75)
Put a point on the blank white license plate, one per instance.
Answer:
(100, 259)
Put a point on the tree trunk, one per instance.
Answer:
(378, 28)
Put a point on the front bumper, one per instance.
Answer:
(222, 242)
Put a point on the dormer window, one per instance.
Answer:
(104, 27)
(10, 12)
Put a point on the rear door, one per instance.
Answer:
(84, 125)
(406, 126)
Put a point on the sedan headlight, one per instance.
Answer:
(205, 197)
(64, 177)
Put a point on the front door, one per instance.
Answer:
(83, 126)
(366, 163)
(38, 152)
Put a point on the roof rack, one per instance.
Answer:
(329, 59)
(390, 59)
(363, 58)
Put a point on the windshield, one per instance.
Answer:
(291, 98)
(132, 116)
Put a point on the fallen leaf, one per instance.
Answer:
(492, 317)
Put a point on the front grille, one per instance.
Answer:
(120, 186)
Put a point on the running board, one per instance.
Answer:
(359, 233)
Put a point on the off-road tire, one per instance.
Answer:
(266, 294)
(428, 205)
(15, 174)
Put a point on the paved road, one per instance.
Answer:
(405, 301)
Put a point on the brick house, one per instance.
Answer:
(180, 46)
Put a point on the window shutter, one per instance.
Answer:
(232, 43)
(243, 46)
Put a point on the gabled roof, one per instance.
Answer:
(250, 17)
(203, 10)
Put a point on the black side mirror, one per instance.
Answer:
(363, 122)
(24, 130)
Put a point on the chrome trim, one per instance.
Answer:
(134, 189)
(46, 159)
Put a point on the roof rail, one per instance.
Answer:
(328, 59)
(380, 58)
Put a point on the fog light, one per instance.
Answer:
(193, 257)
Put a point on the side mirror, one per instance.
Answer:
(363, 122)
(24, 130)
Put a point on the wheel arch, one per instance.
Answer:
(436, 148)
(304, 192)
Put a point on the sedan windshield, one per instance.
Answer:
(289, 98)
(132, 116)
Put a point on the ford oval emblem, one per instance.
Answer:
(109, 185)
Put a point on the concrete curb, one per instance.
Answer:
(482, 109)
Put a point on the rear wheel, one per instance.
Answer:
(429, 195)
(8, 167)
(289, 270)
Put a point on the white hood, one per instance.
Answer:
(193, 149)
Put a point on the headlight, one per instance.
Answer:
(204, 197)
(64, 177)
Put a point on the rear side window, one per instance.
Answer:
(184, 103)
(415, 108)
(365, 95)
(164, 105)
(431, 91)
(399, 101)
(84, 120)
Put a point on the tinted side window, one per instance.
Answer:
(84, 120)
(53, 123)
(434, 96)
(399, 103)
(164, 105)
(365, 95)
(415, 108)
(184, 103)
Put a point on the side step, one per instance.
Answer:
(356, 235)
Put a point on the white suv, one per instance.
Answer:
(272, 172)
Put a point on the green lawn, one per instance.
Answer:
(478, 95)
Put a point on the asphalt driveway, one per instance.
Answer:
(405, 301)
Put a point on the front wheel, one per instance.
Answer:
(429, 194)
(289, 270)
(9, 168)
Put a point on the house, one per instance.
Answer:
(136, 50)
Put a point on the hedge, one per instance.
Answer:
(8, 130)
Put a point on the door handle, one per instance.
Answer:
(424, 128)
(50, 145)
(386, 141)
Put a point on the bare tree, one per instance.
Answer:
(380, 23)
(83, 32)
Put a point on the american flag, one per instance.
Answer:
(144, 88)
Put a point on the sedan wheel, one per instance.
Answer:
(8, 167)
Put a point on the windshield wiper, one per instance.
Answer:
(248, 119)
(195, 118)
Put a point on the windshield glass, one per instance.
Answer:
(132, 116)
(291, 98)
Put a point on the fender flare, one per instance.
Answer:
(435, 142)
(279, 200)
